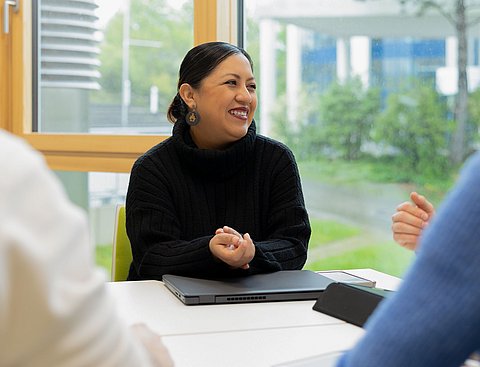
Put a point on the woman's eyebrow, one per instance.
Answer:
(237, 76)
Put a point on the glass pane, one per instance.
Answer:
(108, 66)
(98, 194)
(367, 95)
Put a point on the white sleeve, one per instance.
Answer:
(54, 307)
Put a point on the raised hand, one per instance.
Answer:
(410, 220)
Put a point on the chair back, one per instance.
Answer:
(122, 251)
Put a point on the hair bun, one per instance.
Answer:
(177, 110)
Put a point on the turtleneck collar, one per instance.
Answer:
(213, 164)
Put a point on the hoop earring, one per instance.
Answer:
(192, 117)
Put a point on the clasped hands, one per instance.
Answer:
(231, 247)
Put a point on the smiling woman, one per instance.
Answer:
(216, 199)
(226, 102)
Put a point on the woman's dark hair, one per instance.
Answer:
(197, 64)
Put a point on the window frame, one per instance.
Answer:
(79, 152)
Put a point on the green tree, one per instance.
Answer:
(414, 123)
(462, 15)
(305, 139)
(159, 38)
(474, 114)
(252, 46)
(347, 112)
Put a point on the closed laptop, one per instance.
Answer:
(286, 285)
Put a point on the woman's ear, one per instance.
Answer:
(187, 93)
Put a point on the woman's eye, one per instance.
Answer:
(252, 86)
(231, 82)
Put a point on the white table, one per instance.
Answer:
(253, 334)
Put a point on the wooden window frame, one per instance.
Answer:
(72, 152)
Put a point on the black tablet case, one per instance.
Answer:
(351, 303)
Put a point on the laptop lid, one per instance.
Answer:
(286, 285)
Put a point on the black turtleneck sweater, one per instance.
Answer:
(179, 195)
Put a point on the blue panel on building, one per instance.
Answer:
(431, 48)
(320, 56)
(391, 49)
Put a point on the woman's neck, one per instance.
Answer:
(205, 141)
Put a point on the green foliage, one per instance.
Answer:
(474, 113)
(347, 114)
(170, 33)
(337, 125)
(301, 136)
(375, 170)
(111, 63)
(389, 258)
(326, 231)
(281, 57)
(252, 46)
(414, 123)
(333, 171)
(474, 107)
(103, 257)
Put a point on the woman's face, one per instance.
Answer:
(226, 101)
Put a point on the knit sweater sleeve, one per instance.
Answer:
(155, 233)
(433, 319)
(288, 228)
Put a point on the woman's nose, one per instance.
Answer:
(244, 95)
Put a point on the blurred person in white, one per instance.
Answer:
(54, 307)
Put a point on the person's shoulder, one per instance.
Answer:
(17, 155)
(469, 178)
(159, 148)
(474, 160)
(10, 143)
(471, 168)
(155, 153)
(274, 145)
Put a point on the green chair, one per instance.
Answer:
(122, 251)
